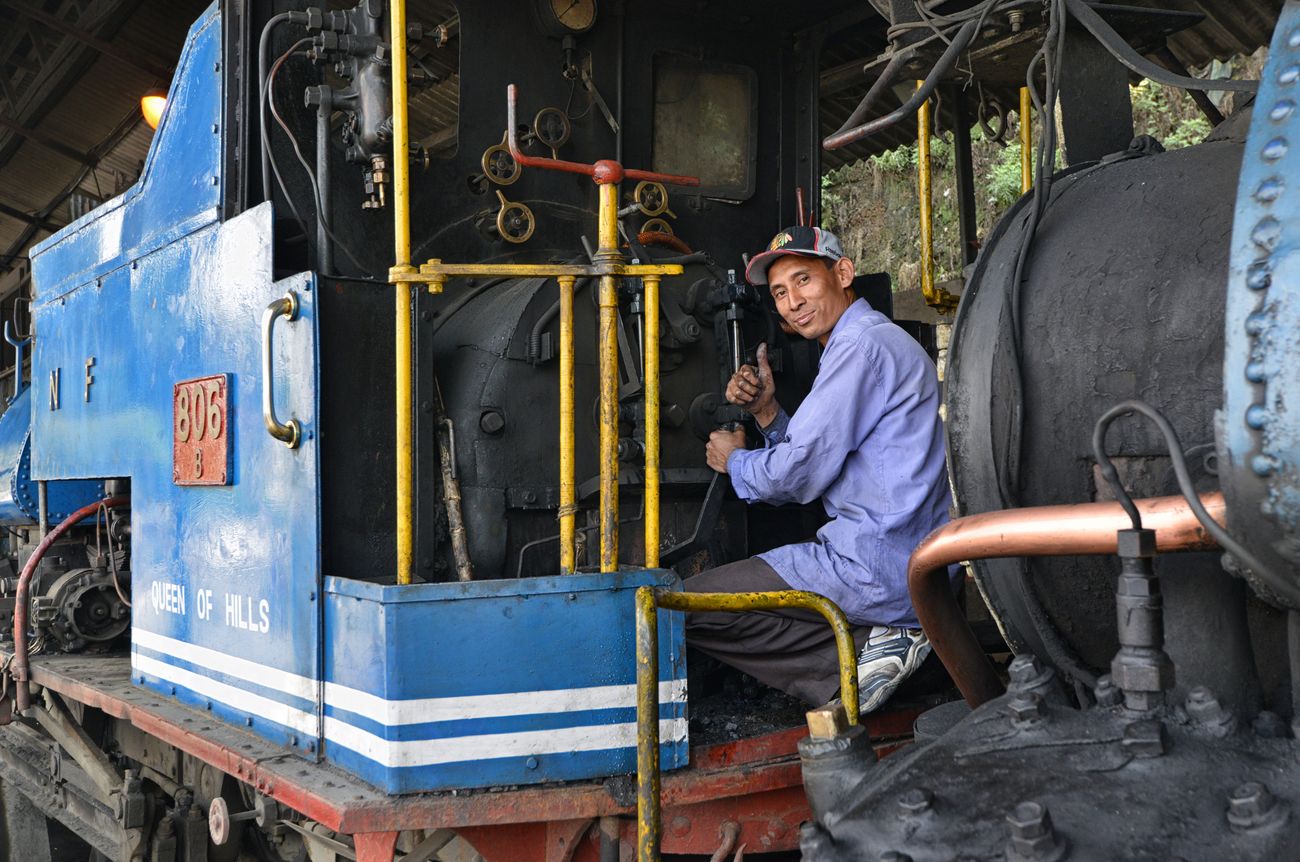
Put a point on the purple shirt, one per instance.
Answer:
(868, 441)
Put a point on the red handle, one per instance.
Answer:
(602, 172)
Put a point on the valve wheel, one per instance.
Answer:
(499, 165)
(657, 225)
(515, 221)
(651, 198)
(552, 127)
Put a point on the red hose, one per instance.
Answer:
(18, 669)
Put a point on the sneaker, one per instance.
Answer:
(890, 656)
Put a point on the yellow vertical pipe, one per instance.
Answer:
(923, 183)
(568, 485)
(1026, 141)
(608, 347)
(648, 817)
(402, 251)
(607, 234)
(651, 369)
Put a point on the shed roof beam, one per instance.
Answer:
(88, 39)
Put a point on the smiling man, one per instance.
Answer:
(867, 442)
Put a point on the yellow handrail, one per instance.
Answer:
(648, 600)
(402, 320)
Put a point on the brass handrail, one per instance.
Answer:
(648, 601)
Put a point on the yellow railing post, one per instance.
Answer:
(923, 177)
(647, 711)
(651, 374)
(568, 481)
(934, 297)
(1026, 141)
(607, 234)
(648, 599)
(402, 320)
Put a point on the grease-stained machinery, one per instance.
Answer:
(363, 417)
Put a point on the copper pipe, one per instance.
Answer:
(1043, 531)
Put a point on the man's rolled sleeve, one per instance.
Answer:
(776, 432)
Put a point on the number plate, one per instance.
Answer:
(200, 432)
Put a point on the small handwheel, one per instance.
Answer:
(552, 127)
(515, 221)
(499, 165)
(651, 198)
(657, 225)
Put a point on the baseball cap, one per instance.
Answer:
(801, 240)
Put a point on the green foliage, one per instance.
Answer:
(873, 207)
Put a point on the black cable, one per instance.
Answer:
(266, 138)
(262, 43)
(297, 151)
(941, 68)
(1122, 51)
(1183, 475)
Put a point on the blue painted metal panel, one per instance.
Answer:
(179, 188)
(1259, 432)
(225, 578)
(18, 494)
(435, 686)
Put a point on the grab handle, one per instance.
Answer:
(291, 433)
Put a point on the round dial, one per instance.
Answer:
(567, 16)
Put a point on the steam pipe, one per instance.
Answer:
(19, 668)
(1082, 528)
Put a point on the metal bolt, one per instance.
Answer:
(531, 763)
(1250, 805)
(1206, 710)
(1024, 671)
(1032, 837)
(491, 422)
(916, 801)
(1269, 725)
(1144, 738)
(1026, 708)
(1266, 233)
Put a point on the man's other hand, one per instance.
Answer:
(721, 445)
(752, 390)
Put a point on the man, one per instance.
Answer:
(867, 440)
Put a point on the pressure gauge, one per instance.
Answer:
(566, 17)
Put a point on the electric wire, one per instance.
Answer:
(297, 151)
(266, 139)
(1184, 476)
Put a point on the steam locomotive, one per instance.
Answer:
(294, 398)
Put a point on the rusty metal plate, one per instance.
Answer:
(200, 431)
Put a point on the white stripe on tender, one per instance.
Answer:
(394, 713)
(244, 701)
(251, 671)
(431, 752)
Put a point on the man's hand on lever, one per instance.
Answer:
(752, 390)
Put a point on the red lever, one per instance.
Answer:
(602, 172)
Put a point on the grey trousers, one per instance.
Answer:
(793, 650)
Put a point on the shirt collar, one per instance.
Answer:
(855, 310)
